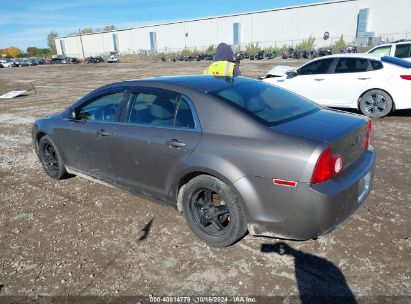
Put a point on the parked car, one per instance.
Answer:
(400, 49)
(373, 84)
(6, 63)
(20, 62)
(59, 60)
(113, 58)
(231, 153)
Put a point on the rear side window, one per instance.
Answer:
(351, 65)
(184, 116)
(376, 65)
(153, 109)
(317, 67)
(383, 50)
(266, 103)
(161, 110)
(403, 51)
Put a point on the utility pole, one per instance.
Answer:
(81, 41)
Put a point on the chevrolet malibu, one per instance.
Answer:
(233, 154)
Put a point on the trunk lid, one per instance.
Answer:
(344, 132)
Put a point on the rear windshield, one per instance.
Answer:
(266, 103)
(396, 61)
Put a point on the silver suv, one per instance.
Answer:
(400, 49)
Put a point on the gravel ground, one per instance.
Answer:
(78, 238)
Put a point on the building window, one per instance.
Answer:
(153, 42)
(236, 34)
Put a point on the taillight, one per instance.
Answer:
(406, 77)
(328, 166)
(368, 136)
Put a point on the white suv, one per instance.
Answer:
(400, 49)
(6, 63)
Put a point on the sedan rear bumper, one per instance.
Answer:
(306, 211)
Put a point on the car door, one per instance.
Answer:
(348, 81)
(86, 139)
(309, 81)
(158, 132)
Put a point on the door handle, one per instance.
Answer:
(103, 133)
(363, 78)
(319, 79)
(174, 143)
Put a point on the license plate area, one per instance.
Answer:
(364, 187)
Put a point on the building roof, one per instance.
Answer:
(221, 16)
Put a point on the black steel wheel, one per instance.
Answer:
(51, 159)
(213, 211)
(376, 103)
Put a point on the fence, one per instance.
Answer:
(334, 42)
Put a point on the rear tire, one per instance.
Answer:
(376, 103)
(213, 211)
(51, 159)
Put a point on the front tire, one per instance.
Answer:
(376, 103)
(51, 159)
(213, 211)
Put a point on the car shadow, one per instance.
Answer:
(396, 113)
(143, 234)
(1, 287)
(401, 113)
(318, 280)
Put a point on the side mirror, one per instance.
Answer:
(291, 73)
(73, 114)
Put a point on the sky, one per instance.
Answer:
(26, 23)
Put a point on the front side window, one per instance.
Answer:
(317, 67)
(403, 51)
(351, 65)
(383, 50)
(160, 110)
(103, 108)
(266, 103)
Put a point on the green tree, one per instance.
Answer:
(252, 48)
(32, 51)
(12, 52)
(109, 28)
(50, 41)
(87, 30)
(307, 44)
(210, 49)
(339, 44)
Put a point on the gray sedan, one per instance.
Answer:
(233, 154)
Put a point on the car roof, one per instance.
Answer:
(355, 55)
(393, 43)
(203, 83)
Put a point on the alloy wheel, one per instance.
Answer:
(210, 212)
(50, 158)
(375, 104)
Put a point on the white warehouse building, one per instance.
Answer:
(359, 21)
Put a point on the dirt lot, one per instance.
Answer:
(75, 237)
